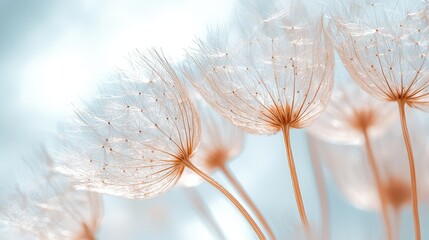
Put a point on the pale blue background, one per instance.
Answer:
(53, 53)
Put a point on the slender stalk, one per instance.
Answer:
(321, 189)
(230, 176)
(401, 104)
(204, 211)
(228, 195)
(293, 175)
(379, 183)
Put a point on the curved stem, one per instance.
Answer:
(379, 183)
(321, 188)
(215, 184)
(407, 141)
(293, 175)
(230, 176)
(203, 209)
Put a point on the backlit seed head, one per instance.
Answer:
(161, 128)
(384, 48)
(280, 73)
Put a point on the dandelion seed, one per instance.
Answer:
(221, 142)
(352, 171)
(51, 209)
(351, 114)
(153, 160)
(398, 192)
(407, 83)
(277, 106)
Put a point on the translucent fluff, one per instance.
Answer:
(384, 47)
(50, 209)
(132, 139)
(279, 72)
(221, 141)
(349, 166)
(350, 112)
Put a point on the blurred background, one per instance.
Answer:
(54, 53)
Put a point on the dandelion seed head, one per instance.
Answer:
(221, 141)
(398, 192)
(350, 168)
(50, 208)
(266, 81)
(350, 112)
(151, 126)
(384, 48)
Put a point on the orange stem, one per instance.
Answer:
(227, 194)
(204, 210)
(401, 104)
(230, 176)
(293, 175)
(379, 184)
